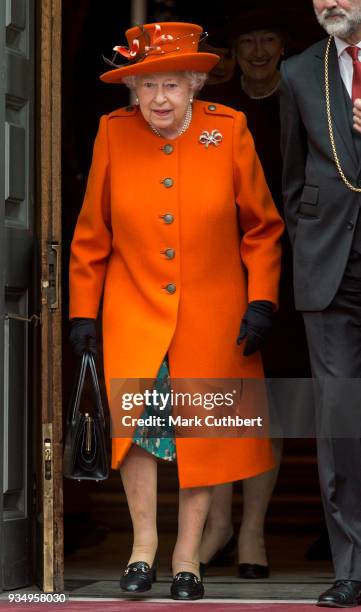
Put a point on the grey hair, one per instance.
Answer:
(196, 79)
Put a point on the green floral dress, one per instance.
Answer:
(159, 441)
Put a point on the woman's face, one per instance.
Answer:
(163, 99)
(258, 54)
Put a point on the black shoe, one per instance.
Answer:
(253, 571)
(186, 585)
(138, 577)
(342, 594)
(223, 557)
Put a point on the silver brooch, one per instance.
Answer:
(214, 137)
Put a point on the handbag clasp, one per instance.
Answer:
(88, 432)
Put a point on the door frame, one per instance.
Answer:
(2, 288)
(49, 197)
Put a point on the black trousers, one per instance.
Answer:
(334, 341)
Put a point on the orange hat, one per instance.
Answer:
(161, 47)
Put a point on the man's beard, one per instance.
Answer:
(345, 26)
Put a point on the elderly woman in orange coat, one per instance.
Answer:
(180, 235)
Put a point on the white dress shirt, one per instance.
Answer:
(345, 62)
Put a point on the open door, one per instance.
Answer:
(51, 490)
(18, 303)
(30, 378)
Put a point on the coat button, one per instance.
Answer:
(168, 182)
(171, 288)
(350, 225)
(168, 218)
(167, 149)
(169, 253)
(212, 107)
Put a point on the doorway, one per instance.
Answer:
(97, 524)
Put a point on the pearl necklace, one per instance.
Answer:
(185, 126)
(267, 95)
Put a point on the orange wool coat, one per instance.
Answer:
(130, 216)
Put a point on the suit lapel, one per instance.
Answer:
(338, 105)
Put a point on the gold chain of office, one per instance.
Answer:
(329, 121)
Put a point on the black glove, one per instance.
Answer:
(83, 336)
(256, 326)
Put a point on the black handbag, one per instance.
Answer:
(85, 452)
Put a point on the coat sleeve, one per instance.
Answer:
(293, 148)
(92, 241)
(260, 222)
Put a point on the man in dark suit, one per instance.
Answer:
(322, 192)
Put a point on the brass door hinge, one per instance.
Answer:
(50, 286)
(48, 507)
(48, 459)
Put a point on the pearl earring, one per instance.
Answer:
(137, 101)
(191, 100)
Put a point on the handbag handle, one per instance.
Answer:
(87, 361)
(78, 390)
(96, 388)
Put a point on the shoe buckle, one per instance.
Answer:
(194, 578)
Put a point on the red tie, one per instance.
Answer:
(356, 79)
